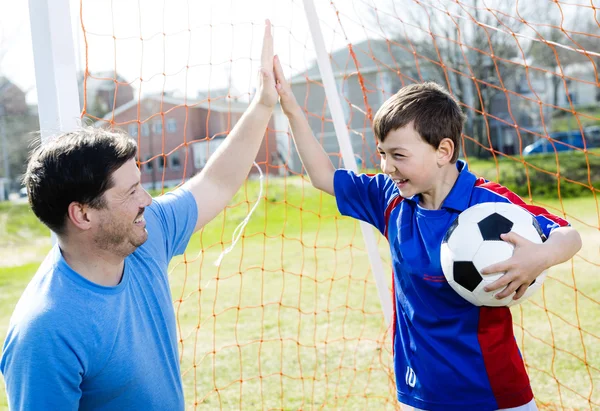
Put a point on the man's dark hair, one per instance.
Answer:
(435, 114)
(75, 166)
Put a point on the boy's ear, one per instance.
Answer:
(445, 151)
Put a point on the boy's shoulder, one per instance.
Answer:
(485, 191)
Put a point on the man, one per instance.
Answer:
(95, 327)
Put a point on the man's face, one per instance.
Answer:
(409, 160)
(121, 225)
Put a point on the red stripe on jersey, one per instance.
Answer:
(503, 362)
(387, 214)
(515, 199)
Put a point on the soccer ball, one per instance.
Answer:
(473, 242)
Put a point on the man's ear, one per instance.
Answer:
(445, 151)
(79, 215)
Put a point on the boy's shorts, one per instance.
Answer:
(530, 406)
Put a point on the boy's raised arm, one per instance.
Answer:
(315, 159)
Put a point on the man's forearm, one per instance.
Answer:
(229, 166)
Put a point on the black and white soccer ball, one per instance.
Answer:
(473, 243)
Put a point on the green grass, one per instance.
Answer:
(587, 116)
(291, 319)
(572, 174)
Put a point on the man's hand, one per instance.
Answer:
(266, 93)
(286, 97)
(228, 167)
(527, 262)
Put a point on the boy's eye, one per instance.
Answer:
(382, 154)
(398, 155)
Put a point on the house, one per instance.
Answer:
(529, 87)
(383, 68)
(17, 122)
(12, 99)
(176, 136)
(105, 91)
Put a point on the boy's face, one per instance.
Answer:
(409, 161)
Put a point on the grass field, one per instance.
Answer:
(291, 319)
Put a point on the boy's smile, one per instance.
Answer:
(416, 167)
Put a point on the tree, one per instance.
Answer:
(548, 55)
(470, 49)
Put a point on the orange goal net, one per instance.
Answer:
(291, 318)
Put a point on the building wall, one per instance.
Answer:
(171, 138)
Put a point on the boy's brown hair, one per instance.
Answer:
(435, 114)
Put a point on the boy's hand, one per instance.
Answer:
(266, 93)
(286, 97)
(527, 262)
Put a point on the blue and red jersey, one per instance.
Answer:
(448, 354)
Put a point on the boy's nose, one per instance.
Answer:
(387, 167)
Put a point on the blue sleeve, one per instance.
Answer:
(171, 221)
(364, 197)
(41, 371)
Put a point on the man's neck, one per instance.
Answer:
(98, 266)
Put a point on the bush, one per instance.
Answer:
(539, 173)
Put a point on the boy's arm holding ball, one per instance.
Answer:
(530, 259)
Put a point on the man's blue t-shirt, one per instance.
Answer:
(449, 355)
(73, 344)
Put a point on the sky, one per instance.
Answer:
(192, 45)
(196, 44)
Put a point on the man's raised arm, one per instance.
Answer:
(226, 170)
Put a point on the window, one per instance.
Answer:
(175, 161)
(148, 165)
(171, 125)
(157, 127)
(161, 162)
(203, 150)
(145, 129)
(133, 130)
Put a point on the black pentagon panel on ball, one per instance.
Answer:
(450, 231)
(466, 275)
(493, 225)
(539, 229)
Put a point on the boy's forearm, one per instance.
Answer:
(315, 159)
(563, 243)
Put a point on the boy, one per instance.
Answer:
(448, 354)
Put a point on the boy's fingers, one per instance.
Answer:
(495, 268)
(499, 283)
(520, 291)
(278, 70)
(507, 291)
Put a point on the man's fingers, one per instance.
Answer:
(266, 57)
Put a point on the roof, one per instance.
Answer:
(221, 105)
(371, 56)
